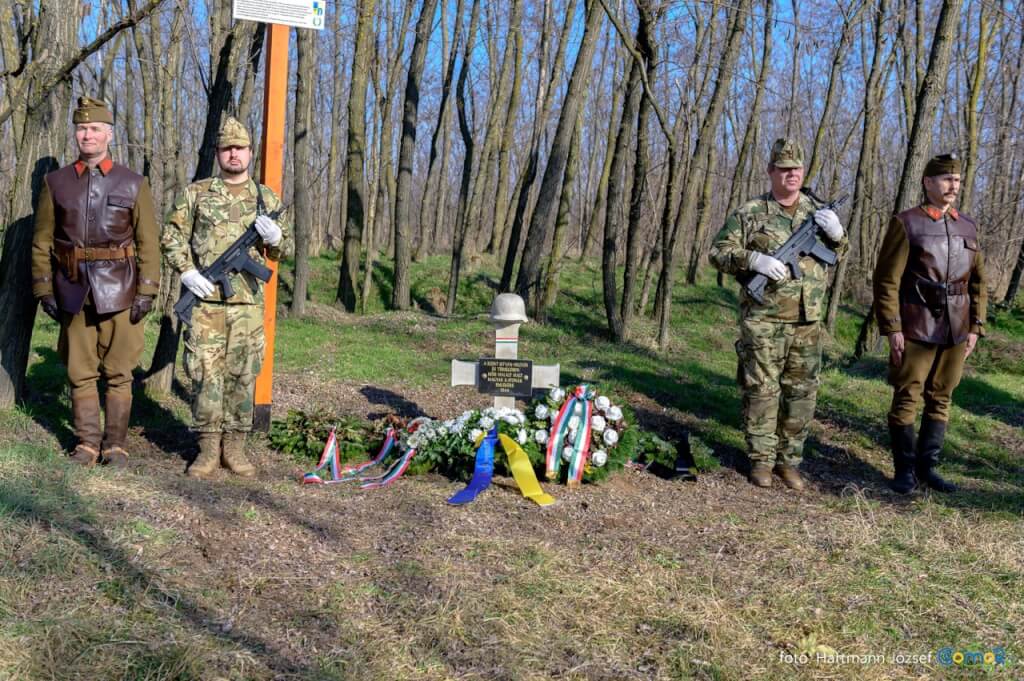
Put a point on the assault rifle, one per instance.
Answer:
(235, 259)
(801, 243)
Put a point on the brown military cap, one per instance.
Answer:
(233, 134)
(92, 110)
(787, 153)
(943, 164)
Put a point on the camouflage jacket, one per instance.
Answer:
(763, 225)
(206, 219)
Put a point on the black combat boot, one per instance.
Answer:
(902, 438)
(929, 445)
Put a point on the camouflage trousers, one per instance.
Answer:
(778, 371)
(223, 356)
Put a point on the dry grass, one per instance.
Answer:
(149, 575)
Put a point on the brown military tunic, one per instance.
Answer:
(96, 246)
(929, 284)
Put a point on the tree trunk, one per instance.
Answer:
(432, 187)
(355, 178)
(986, 30)
(305, 85)
(400, 298)
(160, 377)
(528, 280)
(862, 188)
(554, 264)
(612, 219)
(933, 87)
(459, 238)
(43, 134)
(545, 87)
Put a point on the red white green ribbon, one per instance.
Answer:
(581, 442)
(329, 460)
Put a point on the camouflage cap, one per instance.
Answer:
(786, 153)
(943, 164)
(233, 134)
(92, 110)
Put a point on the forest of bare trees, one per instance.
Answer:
(530, 131)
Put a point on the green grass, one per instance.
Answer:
(147, 575)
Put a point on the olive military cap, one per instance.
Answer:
(943, 164)
(92, 110)
(787, 153)
(233, 134)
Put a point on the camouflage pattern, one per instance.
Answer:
(778, 372)
(205, 220)
(763, 225)
(233, 134)
(786, 153)
(223, 356)
(779, 351)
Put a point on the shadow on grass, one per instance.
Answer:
(399, 405)
(50, 500)
(974, 394)
(47, 379)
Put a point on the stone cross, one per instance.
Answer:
(507, 313)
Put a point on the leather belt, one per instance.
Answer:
(69, 256)
(90, 254)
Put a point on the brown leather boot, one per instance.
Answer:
(209, 456)
(119, 409)
(761, 474)
(233, 457)
(790, 476)
(85, 411)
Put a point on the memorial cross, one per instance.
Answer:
(505, 375)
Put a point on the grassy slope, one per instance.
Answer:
(146, 575)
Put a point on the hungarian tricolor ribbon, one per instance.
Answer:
(560, 429)
(337, 473)
(581, 446)
(522, 471)
(483, 470)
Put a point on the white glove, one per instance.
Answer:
(773, 268)
(268, 230)
(829, 223)
(197, 283)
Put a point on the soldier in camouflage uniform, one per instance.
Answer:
(780, 341)
(224, 345)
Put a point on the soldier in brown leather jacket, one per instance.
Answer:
(95, 270)
(930, 301)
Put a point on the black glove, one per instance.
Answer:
(49, 305)
(140, 308)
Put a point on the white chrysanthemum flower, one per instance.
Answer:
(570, 437)
(567, 453)
(597, 423)
(540, 436)
(557, 395)
(510, 419)
(541, 411)
(602, 403)
(599, 458)
(577, 408)
(475, 435)
(414, 441)
(486, 423)
(614, 414)
(611, 437)
(521, 436)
